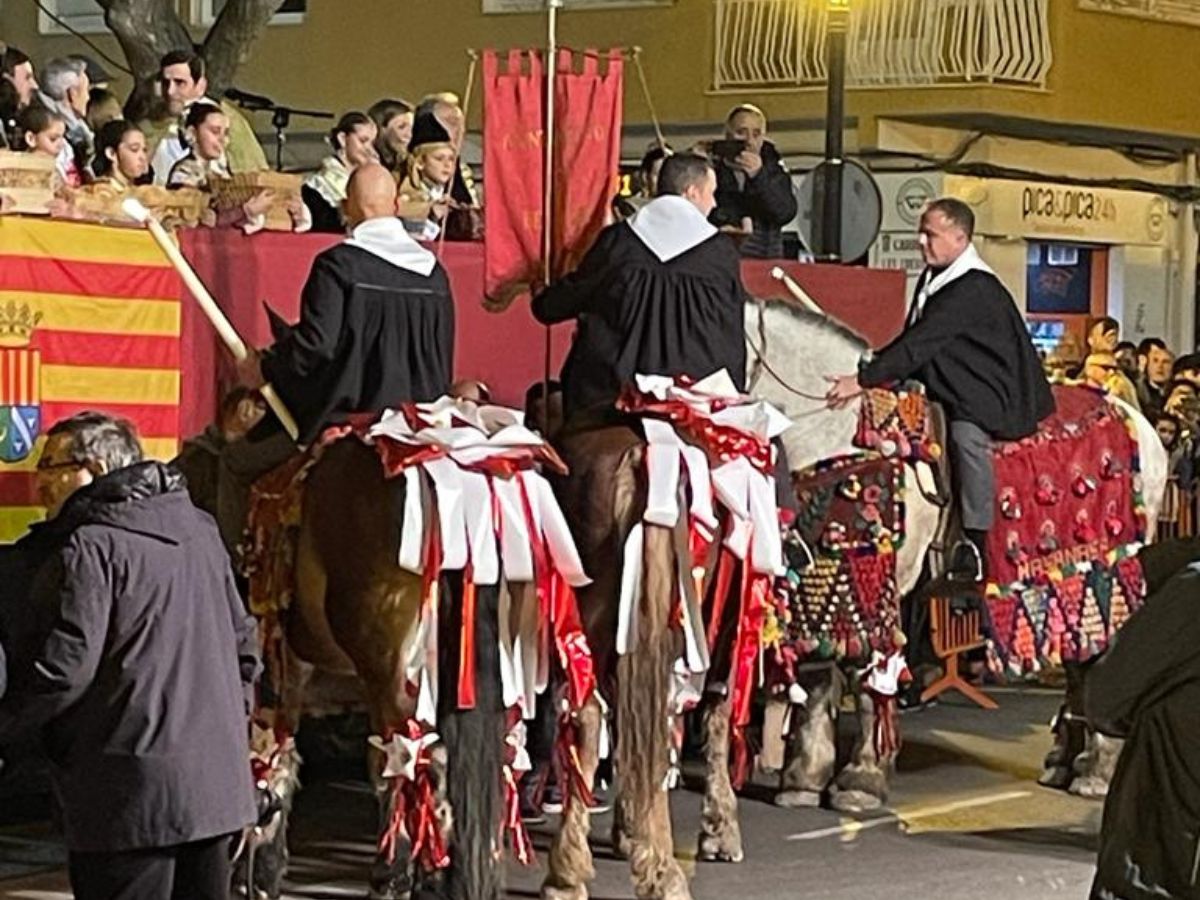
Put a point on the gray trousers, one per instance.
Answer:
(242, 463)
(971, 458)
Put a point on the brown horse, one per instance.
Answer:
(604, 498)
(355, 612)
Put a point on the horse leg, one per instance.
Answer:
(644, 680)
(863, 785)
(1094, 766)
(264, 858)
(1070, 733)
(570, 865)
(812, 741)
(720, 834)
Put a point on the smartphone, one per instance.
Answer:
(728, 149)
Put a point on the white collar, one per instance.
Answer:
(388, 239)
(968, 261)
(670, 226)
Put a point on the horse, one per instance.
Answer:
(355, 612)
(792, 352)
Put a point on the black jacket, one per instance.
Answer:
(371, 336)
(326, 218)
(768, 199)
(1146, 689)
(142, 682)
(638, 315)
(971, 351)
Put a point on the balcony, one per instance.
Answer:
(780, 44)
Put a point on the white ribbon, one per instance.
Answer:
(402, 753)
(412, 534)
(662, 464)
(631, 589)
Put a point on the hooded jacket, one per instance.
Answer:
(141, 679)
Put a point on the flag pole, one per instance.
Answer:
(552, 8)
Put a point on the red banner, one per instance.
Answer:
(587, 151)
(514, 163)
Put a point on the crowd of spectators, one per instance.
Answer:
(1149, 377)
(65, 111)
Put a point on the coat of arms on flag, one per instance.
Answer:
(20, 382)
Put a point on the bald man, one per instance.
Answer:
(376, 330)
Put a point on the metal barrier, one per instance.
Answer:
(891, 43)
(1180, 512)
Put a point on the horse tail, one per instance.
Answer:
(474, 744)
(643, 695)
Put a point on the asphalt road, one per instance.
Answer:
(966, 819)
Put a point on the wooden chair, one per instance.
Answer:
(952, 634)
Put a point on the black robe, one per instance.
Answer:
(971, 351)
(371, 336)
(639, 315)
(326, 218)
(1146, 689)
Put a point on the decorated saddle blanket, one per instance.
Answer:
(710, 478)
(896, 422)
(1062, 555)
(475, 501)
(838, 599)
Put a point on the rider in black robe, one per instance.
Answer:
(376, 330)
(965, 340)
(658, 294)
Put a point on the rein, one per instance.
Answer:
(760, 359)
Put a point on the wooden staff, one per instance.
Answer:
(801, 296)
(228, 334)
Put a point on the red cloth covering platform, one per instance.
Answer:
(505, 350)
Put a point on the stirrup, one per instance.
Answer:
(966, 563)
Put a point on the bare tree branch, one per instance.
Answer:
(232, 36)
(145, 29)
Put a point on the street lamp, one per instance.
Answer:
(836, 24)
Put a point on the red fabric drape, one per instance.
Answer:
(514, 162)
(587, 151)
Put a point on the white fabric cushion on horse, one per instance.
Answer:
(670, 226)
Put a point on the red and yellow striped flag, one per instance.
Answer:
(89, 319)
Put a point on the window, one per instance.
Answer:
(1185, 12)
(84, 16)
(204, 12)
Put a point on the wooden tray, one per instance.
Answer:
(30, 179)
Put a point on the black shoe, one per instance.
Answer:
(966, 565)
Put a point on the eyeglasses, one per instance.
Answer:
(44, 466)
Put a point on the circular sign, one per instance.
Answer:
(862, 209)
(911, 197)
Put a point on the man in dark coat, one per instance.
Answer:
(376, 330)
(965, 340)
(658, 294)
(1146, 689)
(141, 681)
(754, 185)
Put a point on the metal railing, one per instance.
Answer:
(891, 43)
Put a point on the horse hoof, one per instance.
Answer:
(713, 849)
(1057, 777)
(855, 801)
(622, 847)
(1090, 788)
(798, 799)
(576, 892)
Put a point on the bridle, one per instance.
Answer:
(760, 358)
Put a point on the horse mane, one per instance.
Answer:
(822, 322)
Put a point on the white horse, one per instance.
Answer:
(792, 352)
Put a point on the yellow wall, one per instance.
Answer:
(1108, 70)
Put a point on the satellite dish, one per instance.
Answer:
(862, 209)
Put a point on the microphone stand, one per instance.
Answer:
(281, 117)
